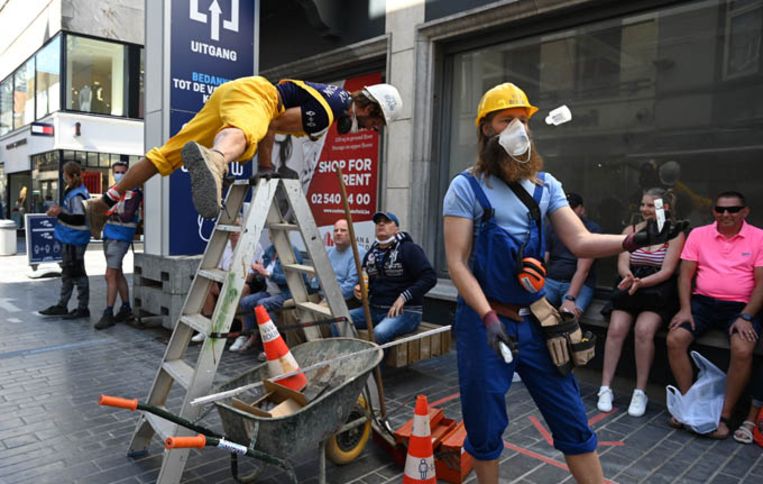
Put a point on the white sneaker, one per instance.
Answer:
(198, 338)
(637, 408)
(605, 399)
(248, 344)
(239, 343)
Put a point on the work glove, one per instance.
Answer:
(497, 335)
(650, 235)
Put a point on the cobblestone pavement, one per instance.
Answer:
(52, 430)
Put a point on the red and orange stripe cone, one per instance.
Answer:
(279, 357)
(419, 464)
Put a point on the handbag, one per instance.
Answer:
(700, 408)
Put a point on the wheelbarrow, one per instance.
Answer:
(323, 417)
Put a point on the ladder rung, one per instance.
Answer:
(200, 323)
(181, 371)
(282, 226)
(315, 308)
(240, 182)
(300, 268)
(213, 274)
(228, 228)
(163, 428)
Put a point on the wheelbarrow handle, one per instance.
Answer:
(194, 442)
(118, 402)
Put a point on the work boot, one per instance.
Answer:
(54, 310)
(95, 215)
(78, 313)
(106, 321)
(207, 169)
(124, 314)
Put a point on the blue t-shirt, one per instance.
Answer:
(315, 120)
(343, 263)
(562, 264)
(510, 212)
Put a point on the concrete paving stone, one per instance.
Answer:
(373, 478)
(547, 473)
(614, 464)
(19, 440)
(517, 466)
(724, 479)
(34, 473)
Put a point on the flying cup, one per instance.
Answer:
(558, 116)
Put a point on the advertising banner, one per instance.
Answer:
(41, 245)
(212, 42)
(315, 163)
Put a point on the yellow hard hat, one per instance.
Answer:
(503, 96)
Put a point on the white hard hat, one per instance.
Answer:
(388, 98)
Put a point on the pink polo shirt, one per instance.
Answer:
(725, 267)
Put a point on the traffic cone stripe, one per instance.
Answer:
(419, 463)
(269, 332)
(419, 470)
(421, 426)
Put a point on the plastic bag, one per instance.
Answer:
(700, 408)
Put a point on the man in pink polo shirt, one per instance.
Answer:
(727, 259)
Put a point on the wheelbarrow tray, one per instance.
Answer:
(319, 419)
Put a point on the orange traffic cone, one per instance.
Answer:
(280, 359)
(419, 464)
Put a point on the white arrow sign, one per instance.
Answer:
(214, 26)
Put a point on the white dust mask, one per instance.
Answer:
(515, 141)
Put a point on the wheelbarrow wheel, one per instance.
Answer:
(346, 447)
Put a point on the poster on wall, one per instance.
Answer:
(212, 42)
(315, 163)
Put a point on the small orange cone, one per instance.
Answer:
(280, 359)
(419, 464)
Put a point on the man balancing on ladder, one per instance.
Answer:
(240, 119)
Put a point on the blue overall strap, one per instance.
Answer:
(537, 196)
(487, 209)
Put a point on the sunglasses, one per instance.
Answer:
(734, 209)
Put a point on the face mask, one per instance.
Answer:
(385, 241)
(118, 177)
(515, 141)
(348, 124)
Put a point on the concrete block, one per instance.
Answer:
(172, 274)
(152, 301)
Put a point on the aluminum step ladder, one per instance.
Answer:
(280, 206)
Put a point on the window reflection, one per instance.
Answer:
(49, 78)
(95, 76)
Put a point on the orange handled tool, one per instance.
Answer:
(118, 402)
(195, 442)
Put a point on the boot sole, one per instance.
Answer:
(205, 191)
(95, 222)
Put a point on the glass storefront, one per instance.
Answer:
(48, 90)
(95, 71)
(45, 181)
(647, 109)
(6, 106)
(23, 94)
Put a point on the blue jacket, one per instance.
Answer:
(123, 220)
(400, 269)
(71, 227)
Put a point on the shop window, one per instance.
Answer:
(95, 80)
(6, 106)
(23, 94)
(646, 109)
(48, 85)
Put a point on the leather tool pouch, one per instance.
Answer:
(566, 342)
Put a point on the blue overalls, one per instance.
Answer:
(484, 378)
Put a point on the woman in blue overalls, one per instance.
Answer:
(486, 228)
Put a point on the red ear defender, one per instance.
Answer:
(532, 275)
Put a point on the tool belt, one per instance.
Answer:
(566, 342)
(510, 311)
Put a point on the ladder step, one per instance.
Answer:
(315, 308)
(200, 323)
(213, 274)
(283, 226)
(228, 228)
(163, 428)
(300, 268)
(241, 182)
(181, 371)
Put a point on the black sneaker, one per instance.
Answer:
(107, 320)
(54, 310)
(78, 314)
(124, 314)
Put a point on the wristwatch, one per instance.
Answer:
(568, 297)
(745, 316)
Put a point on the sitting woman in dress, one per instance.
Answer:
(647, 294)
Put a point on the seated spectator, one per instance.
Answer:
(399, 274)
(744, 434)
(570, 282)
(342, 261)
(254, 282)
(272, 298)
(646, 294)
(720, 286)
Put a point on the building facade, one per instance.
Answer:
(662, 93)
(71, 88)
